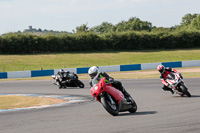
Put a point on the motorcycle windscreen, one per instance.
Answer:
(95, 81)
(171, 76)
(118, 95)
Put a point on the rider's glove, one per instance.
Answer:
(167, 84)
(181, 75)
(111, 80)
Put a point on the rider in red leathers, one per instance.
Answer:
(163, 74)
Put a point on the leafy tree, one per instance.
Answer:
(196, 23)
(133, 24)
(186, 22)
(39, 30)
(105, 27)
(82, 28)
(187, 19)
(121, 26)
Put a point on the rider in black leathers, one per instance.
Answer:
(64, 76)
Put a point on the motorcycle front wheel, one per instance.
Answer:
(80, 84)
(134, 106)
(109, 107)
(185, 90)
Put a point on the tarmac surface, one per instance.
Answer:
(158, 111)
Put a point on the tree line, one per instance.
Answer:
(133, 34)
(189, 22)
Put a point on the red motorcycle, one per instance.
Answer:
(111, 98)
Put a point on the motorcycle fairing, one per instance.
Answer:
(101, 87)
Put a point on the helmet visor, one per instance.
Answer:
(92, 75)
(161, 70)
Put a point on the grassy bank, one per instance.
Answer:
(73, 60)
(11, 102)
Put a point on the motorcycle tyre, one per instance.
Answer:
(185, 91)
(134, 106)
(80, 84)
(107, 107)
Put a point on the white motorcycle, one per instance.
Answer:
(177, 84)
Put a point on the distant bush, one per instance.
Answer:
(21, 44)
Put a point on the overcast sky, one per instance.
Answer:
(66, 15)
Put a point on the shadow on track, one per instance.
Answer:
(195, 96)
(192, 96)
(138, 113)
(71, 88)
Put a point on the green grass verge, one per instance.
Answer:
(74, 60)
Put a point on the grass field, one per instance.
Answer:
(74, 60)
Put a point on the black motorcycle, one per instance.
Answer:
(69, 80)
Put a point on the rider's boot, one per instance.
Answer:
(59, 85)
(172, 92)
(166, 88)
(126, 94)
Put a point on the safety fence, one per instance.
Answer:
(114, 68)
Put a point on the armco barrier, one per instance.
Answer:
(115, 68)
(130, 67)
(39, 73)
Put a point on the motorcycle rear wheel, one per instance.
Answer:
(111, 109)
(185, 91)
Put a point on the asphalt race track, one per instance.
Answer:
(158, 111)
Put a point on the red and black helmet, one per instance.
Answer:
(161, 68)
